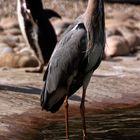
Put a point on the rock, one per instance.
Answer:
(21, 39)
(27, 58)
(14, 60)
(19, 47)
(133, 41)
(8, 60)
(113, 31)
(6, 55)
(10, 40)
(27, 61)
(122, 17)
(4, 48)
(61, 25)
(137, 25)
(132, 38)
(26, 51)
(9, 22)
(13, 31)
(1, 29)
(115, 23)
(116, 46)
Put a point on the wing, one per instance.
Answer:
(64, 62)
(66, 56)
(75, 23)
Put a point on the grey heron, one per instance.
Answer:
(76, 56)
(37, 30)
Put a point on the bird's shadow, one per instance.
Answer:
(75, 98)
(30, 90)
(23, 89)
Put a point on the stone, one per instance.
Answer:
(132, 38)
(137, 25)
(115, 23)
(13, 31)
(1, 29)
(9, 22)
(4, 48)
(7, 60)
(26, 51)
(10, 40)
(11, 59)
(116, 46)
(60, 25)
(27, 61)
(19, 47)
(112, 31)
(27, 58)
(122, 17)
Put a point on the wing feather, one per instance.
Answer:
(64, 61)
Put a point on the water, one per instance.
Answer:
(113, 125)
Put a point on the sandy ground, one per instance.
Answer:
(114, 85)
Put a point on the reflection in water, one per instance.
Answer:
(115, 125)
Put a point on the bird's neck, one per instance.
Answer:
(89, 13)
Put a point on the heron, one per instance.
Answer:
(76, 56)
(37, 30)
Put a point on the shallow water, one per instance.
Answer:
(114, 125)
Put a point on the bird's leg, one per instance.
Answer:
(66, 117)
(82, 110)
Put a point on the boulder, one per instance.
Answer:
(131, 36)
(61, 25)
(10, 40)
(4, 48)
(1, 29)
(116, 46)
(13, 31)
(26, 58)
(8, 60)
(17, 60)
(27, 61)
(9, 22)
(112, 31)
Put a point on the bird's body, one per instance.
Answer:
(65, 65)
(75, 58)
(37, 29)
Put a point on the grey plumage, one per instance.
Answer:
(73, 55)
(76, 56)
(63, 64)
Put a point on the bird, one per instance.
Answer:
(37, 30)
(76, 56)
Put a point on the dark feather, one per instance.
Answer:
(40, 33)
(76, 57)
(64, 62)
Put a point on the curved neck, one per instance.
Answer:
(90, 12)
